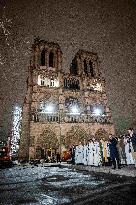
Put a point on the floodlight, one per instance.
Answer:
(49, 108)
(97, 111)
(74, 110)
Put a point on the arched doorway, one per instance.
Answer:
(75, 135)
(101, 134)
(47, 145)
(39, 152)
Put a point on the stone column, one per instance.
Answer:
(82, 65)
(59, 60)
(47, 57)
(37, 56)
(25, 130)
(78, 66)
(55, 60)
(88, 66)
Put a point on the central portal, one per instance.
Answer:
(47, 146)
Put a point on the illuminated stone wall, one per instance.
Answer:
(62, 109)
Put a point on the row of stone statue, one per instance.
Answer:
(116, 151)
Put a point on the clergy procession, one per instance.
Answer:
(113, 152)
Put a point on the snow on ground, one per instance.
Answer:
(42, 184)
(31, 173)
(128, 171)
(54, 184)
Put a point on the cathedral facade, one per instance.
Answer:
(62, 109)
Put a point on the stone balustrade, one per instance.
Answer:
(71, 83)
(69, 118)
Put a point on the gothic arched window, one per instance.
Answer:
(52, 83)
(91, 68)
(77, 85)
(85, 67)
(73, 67)
(42, 81)
(73, 105)
(43, 57)
(65, 82)
(51, 59)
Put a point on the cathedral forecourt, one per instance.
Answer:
(62, 109)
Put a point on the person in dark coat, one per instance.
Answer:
(133, 140)
(58, 157)
(114, 154)
(73, 154)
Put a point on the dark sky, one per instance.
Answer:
(106, 27)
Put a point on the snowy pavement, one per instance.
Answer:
(128, 171)
(54, 184)
(42, 184)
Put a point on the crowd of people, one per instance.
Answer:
(115, 151)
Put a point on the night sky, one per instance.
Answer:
(106, 27)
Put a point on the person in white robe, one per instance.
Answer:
(128, 150)
(90, 160)
(85, 153)
(97, 154)
(121, 150)
(79, 154)
(76, 154)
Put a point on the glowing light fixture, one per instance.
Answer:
(74, 110)
(50, 108)
(98, 87)
(97, 111)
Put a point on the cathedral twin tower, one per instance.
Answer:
(62, 109)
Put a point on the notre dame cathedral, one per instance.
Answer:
(62, 109)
